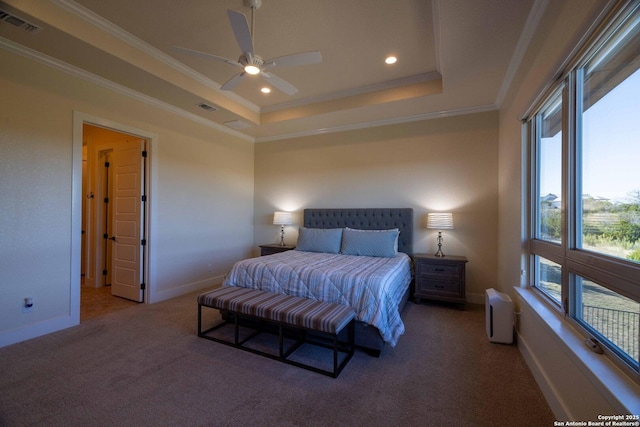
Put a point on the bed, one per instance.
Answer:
(357, 257)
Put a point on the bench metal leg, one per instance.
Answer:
(347, 348)
(237, 331)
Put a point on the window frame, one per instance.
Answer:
(619, 275)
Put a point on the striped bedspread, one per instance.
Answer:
(372, 286)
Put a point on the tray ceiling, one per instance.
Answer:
(454, 56)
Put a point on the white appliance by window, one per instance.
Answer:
(499, 317)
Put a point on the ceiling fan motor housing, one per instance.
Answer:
(249, 59)
(254, 4)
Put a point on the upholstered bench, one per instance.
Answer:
(291, 316)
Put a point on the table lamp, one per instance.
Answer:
(282, 219)
(440, 221)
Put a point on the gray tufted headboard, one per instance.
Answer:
(366, 219)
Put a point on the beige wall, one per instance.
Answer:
(447, 164)
(201, 195)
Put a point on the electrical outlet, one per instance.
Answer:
(27, 305)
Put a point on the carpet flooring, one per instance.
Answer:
(145, 366)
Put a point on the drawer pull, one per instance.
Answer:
(439, 286)
(439, 269)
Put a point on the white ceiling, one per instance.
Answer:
(454, 56)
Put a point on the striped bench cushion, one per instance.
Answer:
(302, 312)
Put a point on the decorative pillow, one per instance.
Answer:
(379, 243)
(319, 240)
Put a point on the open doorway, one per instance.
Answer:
(114, 220)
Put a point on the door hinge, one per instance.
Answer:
(143, 242)
(104, 272)
(144, 197)
(143, 286)
(106, 164)
(144, 153)
(105, 235)
(106, 200)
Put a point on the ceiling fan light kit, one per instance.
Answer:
(251, 63)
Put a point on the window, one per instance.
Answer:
(584, 232)
(609, 316)
(550, 171)
(610, 151)
(549, 278)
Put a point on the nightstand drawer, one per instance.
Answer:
(439, 286)
(438, 270)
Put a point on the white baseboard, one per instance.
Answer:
(549, 392)
(158, 296)
(35, 330)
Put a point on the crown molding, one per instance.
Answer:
(384, 122)
(375, 87)
(529, 29)
(108, 84)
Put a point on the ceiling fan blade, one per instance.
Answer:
(206, 55)
(278, 83)
(241, 30)
(233, 81)
(295, 59)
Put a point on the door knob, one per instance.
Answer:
(112, 238)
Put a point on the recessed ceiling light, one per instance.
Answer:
(265, 90)
(391, 60)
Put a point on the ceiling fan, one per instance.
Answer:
(251, 63)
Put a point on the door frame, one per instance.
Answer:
(148, 266)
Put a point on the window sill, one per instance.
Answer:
(617, 387)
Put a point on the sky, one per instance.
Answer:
(611, 146)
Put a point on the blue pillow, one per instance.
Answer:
(379, 243)
(319, 240)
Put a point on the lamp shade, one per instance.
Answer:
(440, 221)
(282, 218)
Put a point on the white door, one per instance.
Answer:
(127, 278)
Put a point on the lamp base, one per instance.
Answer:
(282, 235)
(439, 253)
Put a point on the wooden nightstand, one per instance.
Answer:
(440, 278)
(274, 249)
